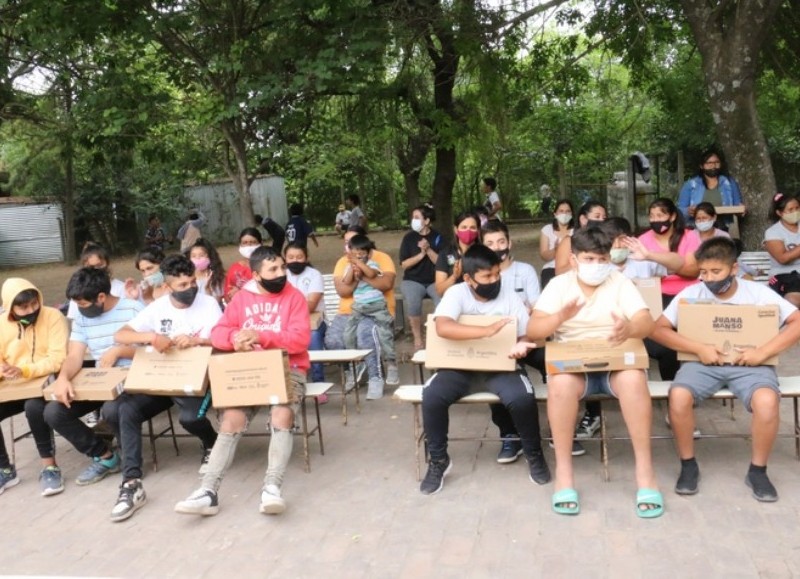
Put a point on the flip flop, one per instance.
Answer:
(561, 500)
(649, 497)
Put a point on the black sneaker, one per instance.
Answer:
(510, 451)
(434, 478)
(688, 479)
(577, 448)
(540, 472)
(763, 489)
(131, 498)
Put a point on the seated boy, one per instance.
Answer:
(594, 301)
(749, 379)
(267, 313)
(482, 293)
(33, 341)
(368, 301)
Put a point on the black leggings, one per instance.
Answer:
(42, 433)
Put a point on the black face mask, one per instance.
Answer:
(92, 311)
(593, 222)
(711, 173)
(274, 286)
(660, 227)
(185, 297)
(721, 286)
(502, 254)
(27, 319)
(488, 291)
(296, 267)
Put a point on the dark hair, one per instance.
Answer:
(779, 203)
(704, 156)
(177, 265)
(299, 246)
(193, 215)
(151, 254)
(261, 254)
(427, 211)
(706, 208)
(356, 229)
(217, 279)
(559, 203)
(296, 209)
(490, 182)
(257, 219)
(616, 226)
(678, 226)
(354, 199)
(87, 283)
(480, 210)
(252, 232)
(466, 215)
(152, 216)
(93, 249)
(26, 296)
(587, 207)
(361, 242)
(591, 240)
(739, 246)
(478, 257)
(717, 248)
(495, 226)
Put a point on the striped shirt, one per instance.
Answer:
(98, 333)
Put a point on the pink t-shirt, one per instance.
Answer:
(671, 284)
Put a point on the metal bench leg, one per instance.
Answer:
(319, 425)
(172, 431)
(417, 438)
(304, 424)
(152, 438)
(358, 395)
(342, 370)
(604, 444)
(796, 430)
(13, 441)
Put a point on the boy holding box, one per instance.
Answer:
(748, 378)
(594, 301)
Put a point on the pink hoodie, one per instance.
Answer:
(281, 320)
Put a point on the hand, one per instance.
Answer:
(146, 292)
(710, 355)
(571, 309)
(109, 358)
(621, 330)
(245, 340)
(561, 234)
(423, 245)
(131, 289)
(64, 392)
(10, 372)
(636, 248)
(750, 357)
(520, 349)
(457, 272)
(497, 326)
(161, 343)
(183, 341)
(692, 210)
(232, 293)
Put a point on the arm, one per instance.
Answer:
(73, 363)
(544, 248)
(227, 327)
(563, 251)
(777, 249)
(312, 299)
(128, 336)
(295, 334)
(445, 281)
(786, 338)
(666, 335)
(669, 259)
(543, 325)
(450, 329)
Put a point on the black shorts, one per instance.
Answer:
(785, 283)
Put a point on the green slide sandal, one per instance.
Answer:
(651, 498)
(565, 502)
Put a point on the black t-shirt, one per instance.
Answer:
(298, 230)
(275, 231)
(425, 271)
(447, 260)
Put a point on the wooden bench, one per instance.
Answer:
(758, 260)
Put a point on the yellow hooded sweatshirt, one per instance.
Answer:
(38, 349)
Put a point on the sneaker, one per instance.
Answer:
(92, 418)
(131, 498)
(539, 471)
(434, 478)
(695, 434)
(587, 426)
(271, 501)
(50, 481)
(200, 502)
(510, 451)
(577, 448)
(349, 381)
(99, 469)
(392, 375)
(8, 478)
(375, 389)
(204, 461)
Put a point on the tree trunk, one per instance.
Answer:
(410, 160)
(238, 172)
(69, 179)
(729, 38)
(443, 182)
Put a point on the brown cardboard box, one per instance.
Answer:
(173, 373)
(595, 355)
(316, 320)
(23, 389)
(650, 288)
(488, 354)
(254, 378)
(95, 384)
(728, 327)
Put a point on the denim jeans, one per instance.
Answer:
(42, 433)
(318, 343)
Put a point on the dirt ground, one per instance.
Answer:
(52, 278)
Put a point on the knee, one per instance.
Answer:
(680, 400)
(34, 409)
(233, 422)
(54, 413)
(764, 404)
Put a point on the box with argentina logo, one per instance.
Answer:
(729, 327)
(480, 354)
(595, 356)
(94, 384)
(172, 373)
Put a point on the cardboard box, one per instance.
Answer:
(23, 389)
(594, 356)
(316, 320)
(95, 384)
(254, 378)
(650, 288)
(172, 373)
(730, 210)
(487, 354)
(728, 327)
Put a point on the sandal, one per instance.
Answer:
(562, 501)
(652, 498)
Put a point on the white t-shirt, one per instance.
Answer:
(309, 282)
(552, 240)
(747, 293)
(642, 269)
(458, 300)
(164, 318)
(790, 239)
(522, 277)
(593, 322)
(117, 290)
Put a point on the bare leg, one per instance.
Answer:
(630, 386)
(416, 329)
(563, 394)
(766, 420)
(681, 419)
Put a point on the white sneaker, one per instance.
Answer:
(131, 498)
(375, 389)
(271, 501)
(200, 502)
(392, 375)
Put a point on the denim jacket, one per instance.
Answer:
(694, 189)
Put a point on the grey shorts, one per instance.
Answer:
(413, 294)
(704, 381)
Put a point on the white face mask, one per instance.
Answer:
(619, 255)
(564, 218)
(247, 250)
(594, 273)
(704, 225)
(791, 218)
(416, 225)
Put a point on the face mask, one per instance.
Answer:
(711, 173)
(791, 218)
(247, 250)
(416, 225)
(502, 254)
(704, 225)
(660, 227)
(92, 311)
(594, 274)
(619, 255)
(467, 236)
(27, 319)
(273, 286)
(185, 297)
(201, 264)
(564, 218)
(296, 267)
(488, 291)
(719, 287)
(154, 279)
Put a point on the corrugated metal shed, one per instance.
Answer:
(30, 234)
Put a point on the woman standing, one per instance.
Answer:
(419, 251)
(448, 265)
(562, 226)
(708, 185)
(782, 241)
